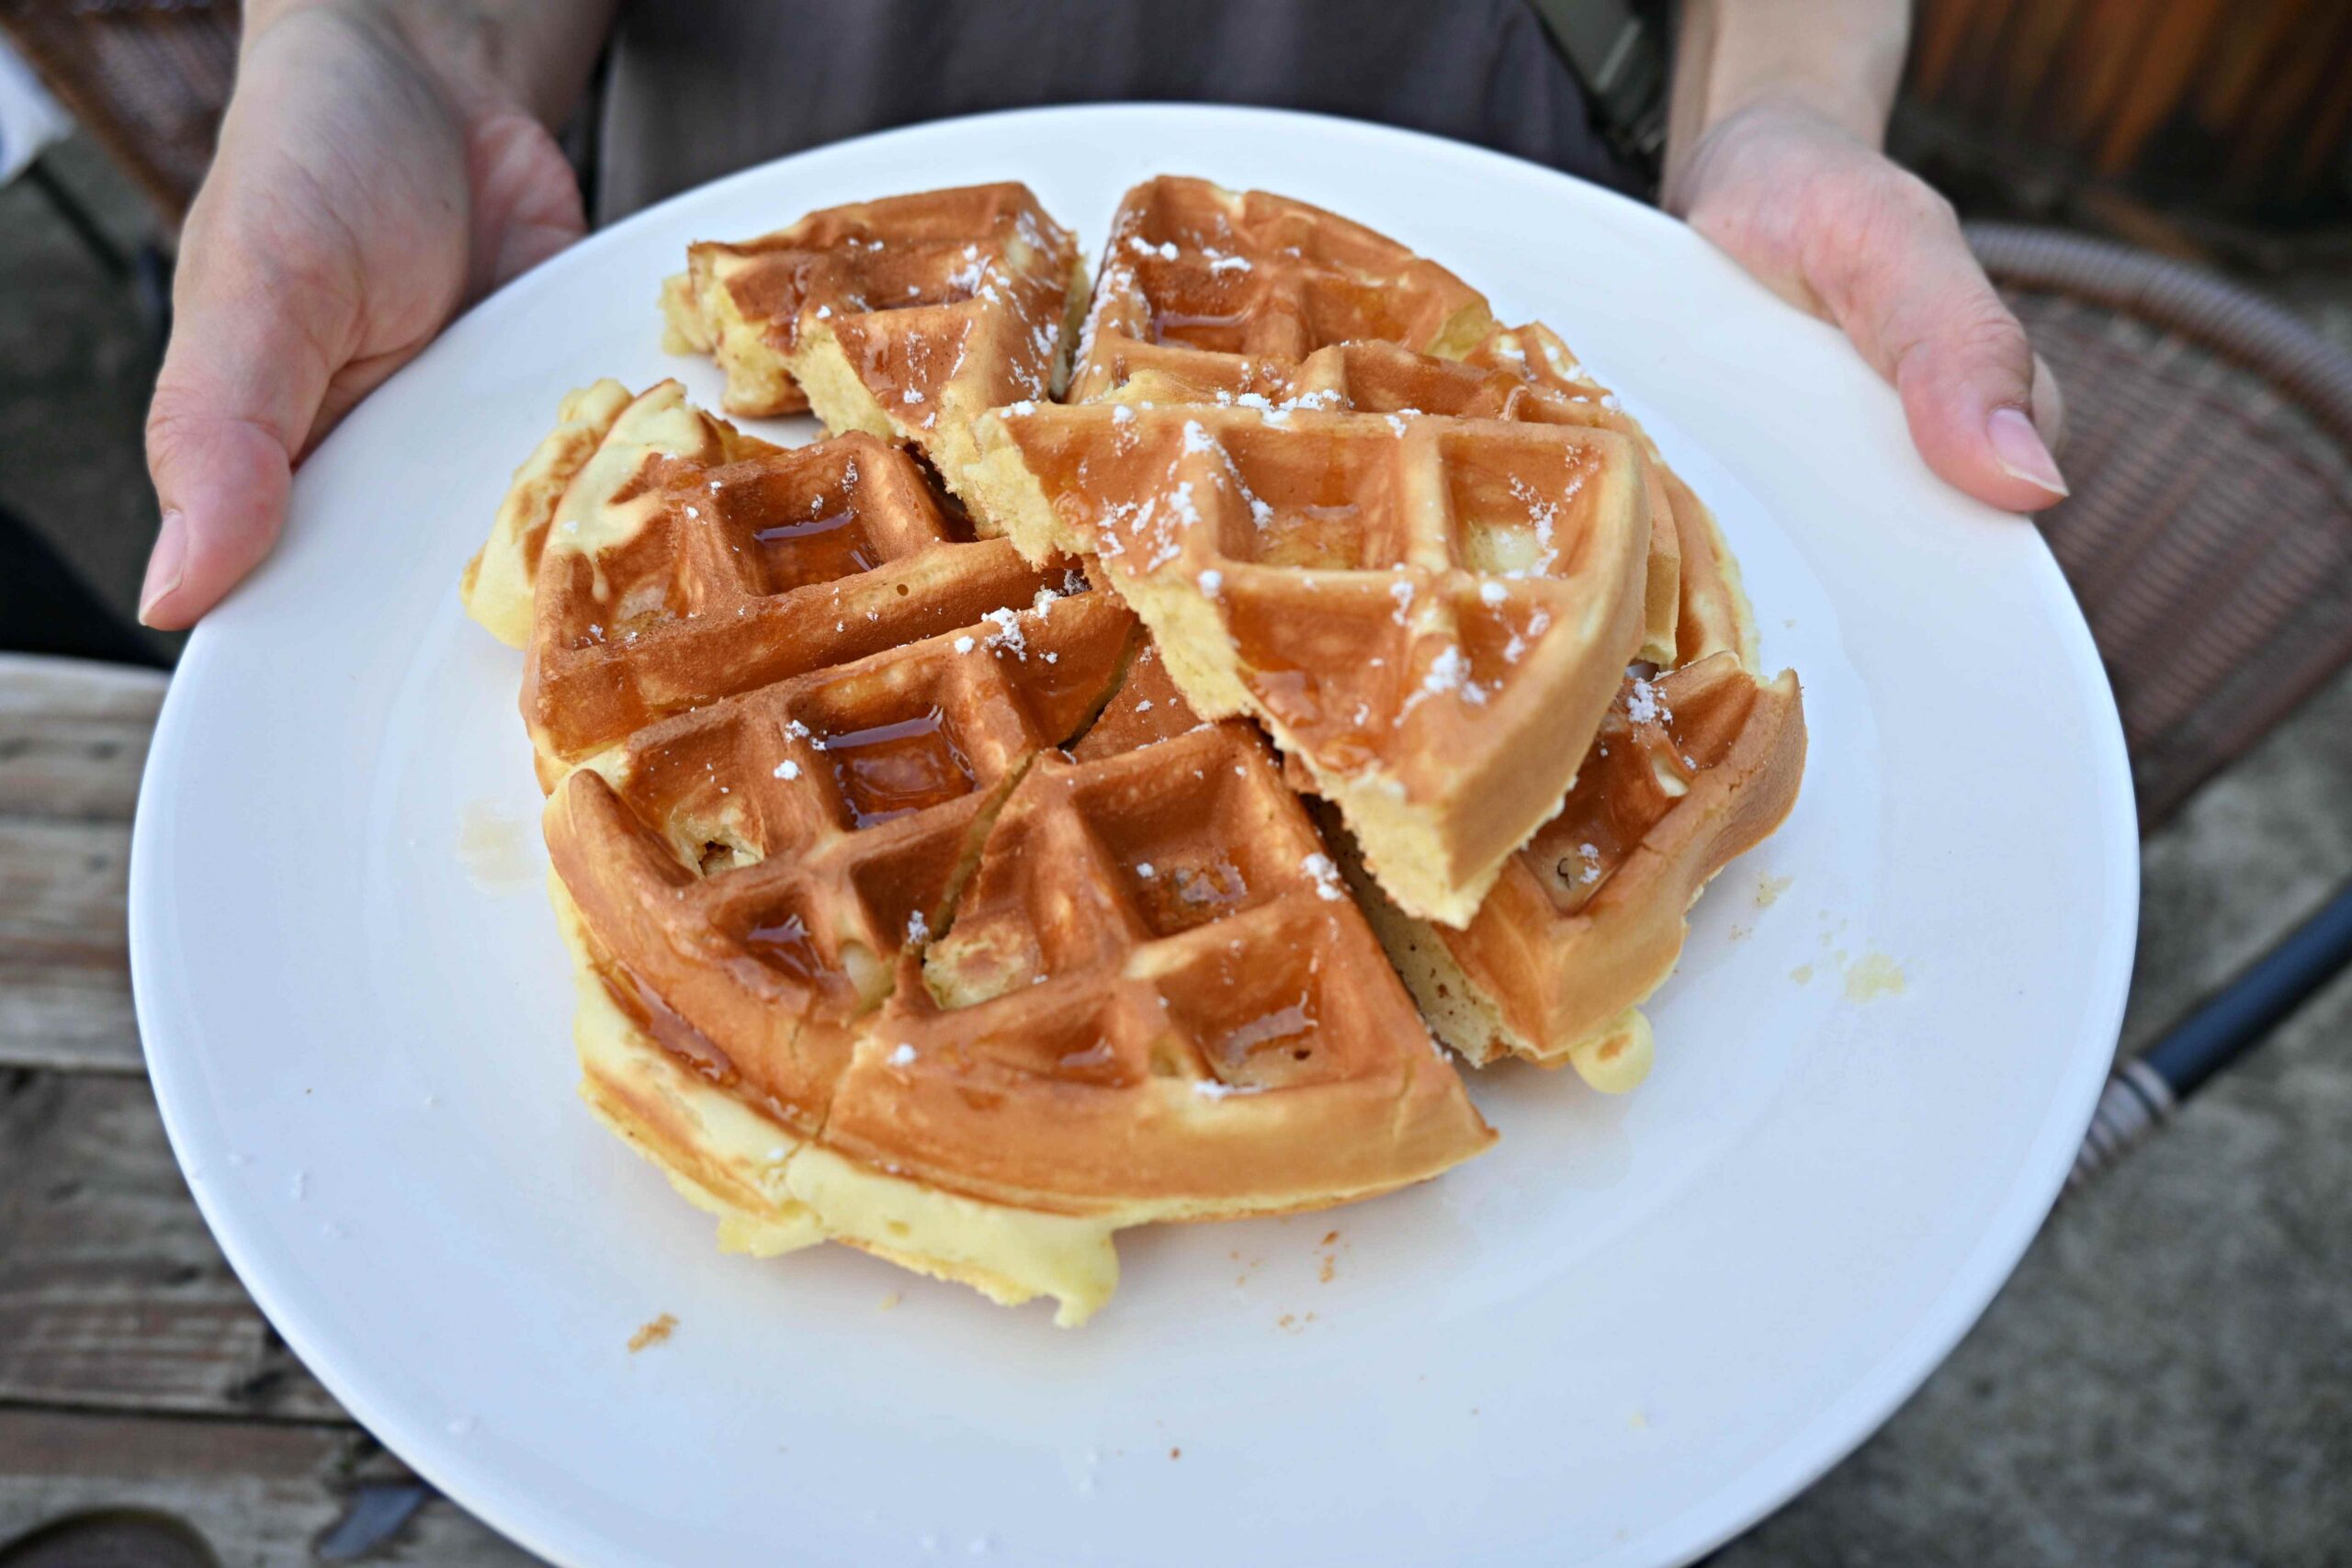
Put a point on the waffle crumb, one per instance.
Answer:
(1769, 889)
(654, 1333)
(1874, 975)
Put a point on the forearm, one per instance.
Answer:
(535, 54)
(1838, 59)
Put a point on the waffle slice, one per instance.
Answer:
(1191, 267)
(1690, 770)
(869, 958)
(1384, 378)
(904, 318)
(651, 556)
(1429, 614)
(1158, 992)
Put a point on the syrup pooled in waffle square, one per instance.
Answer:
(1430, 615)
(1690, 769)
(652, 557)
(1191, 267)
(805, 913)
(905, 318)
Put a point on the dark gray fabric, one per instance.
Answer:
(699, 88)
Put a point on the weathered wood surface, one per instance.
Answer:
(135, 1373)
(259, 1495)
(73, 739)
(114, 1295)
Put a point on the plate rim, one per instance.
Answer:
(1734, 1505)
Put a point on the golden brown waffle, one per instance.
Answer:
(1190, 266)
(1712, 610)
(904, 318)
(796, 908)
(651, 556)
(1690, 770)
(751, 869)
(1162, 1002)
(1430, 615)
(1383, 377)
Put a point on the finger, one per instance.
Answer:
(1912, 298)
(258, 331)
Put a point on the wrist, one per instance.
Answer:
(1831, 64)
(465, 48)
(1771, 114)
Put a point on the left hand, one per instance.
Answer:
(1831, 225)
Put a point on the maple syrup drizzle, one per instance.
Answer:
(818, 550)
(783, 944)
(890, 770)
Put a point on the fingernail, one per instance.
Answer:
(2017, 447)
(166, 566)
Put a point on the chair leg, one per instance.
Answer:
(2143, 1093)
(78, 218)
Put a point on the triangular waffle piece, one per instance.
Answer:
(755, 866)
(1690, 769)
(1191, 266)
(904, 318)
(1429, 614)
(1091, 1041)
(1384, 378)
(651, 556)
(1158, 990)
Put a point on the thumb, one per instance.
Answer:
(1919, 308)
(249, 363)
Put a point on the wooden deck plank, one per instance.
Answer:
(115, 1296)
(72, 740)
(73, 737)
(65, 946)
(259, 1495)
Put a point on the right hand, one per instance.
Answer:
(369, 183)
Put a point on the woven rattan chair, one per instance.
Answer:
(2209, 532)
(147, 78)
(2210, 540)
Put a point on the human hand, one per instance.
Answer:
(1830, 225)
(369, 180)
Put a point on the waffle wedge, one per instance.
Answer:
(1430, 615)
(1690, 770)
(963, 951)
(1386, 378)
(1190, 266)
(904, 318)
(651, 556)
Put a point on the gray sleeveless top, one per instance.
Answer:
(699, 88)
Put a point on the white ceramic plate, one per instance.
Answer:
(1621, 1337)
